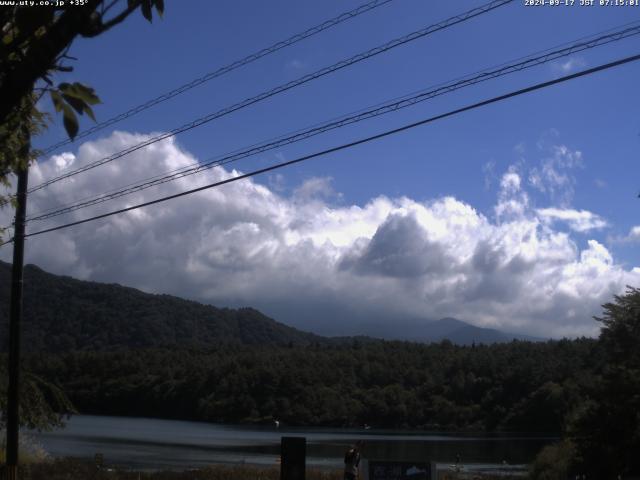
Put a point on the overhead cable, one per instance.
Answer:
(381, 109)
(345, 146)
(284, 87)
(222, 71)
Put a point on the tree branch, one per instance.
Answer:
(41, 56)
(102, 27)
(43, 52)
(105, 9)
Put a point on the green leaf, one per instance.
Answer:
(70, 121)
(77, 104)
(89, 111)
(80, 91)
(69, 118)
(159, 6)
(57, 100)
(86, 93)
(146, 9)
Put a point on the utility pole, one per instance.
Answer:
(15, 315)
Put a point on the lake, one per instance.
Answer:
(145, 443)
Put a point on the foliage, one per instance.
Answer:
(384, 384)
(69, 97)
(606, 428)
(30, 450)
(43, 404)
(620, 334)
(23, 122)
(553, 462)
(15, 152)
(34, 42)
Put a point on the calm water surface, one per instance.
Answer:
(150, 443)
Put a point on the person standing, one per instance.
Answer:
(352, 461)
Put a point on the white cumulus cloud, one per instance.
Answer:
(578, 220)
(634, 233)
(570, 65)
(632, 237)
(334, 269)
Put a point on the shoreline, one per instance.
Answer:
(145, 444)
(267, 426)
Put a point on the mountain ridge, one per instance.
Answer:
(62, 313)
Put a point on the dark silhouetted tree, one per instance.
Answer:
(606, 430)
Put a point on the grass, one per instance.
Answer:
(73, 469)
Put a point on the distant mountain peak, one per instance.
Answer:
(461, 332)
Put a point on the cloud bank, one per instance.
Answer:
(324, 266)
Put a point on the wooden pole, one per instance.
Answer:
(15, 318)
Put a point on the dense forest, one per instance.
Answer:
(519, 386)
(64, 314)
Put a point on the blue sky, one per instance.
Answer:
(573, 146)
(595, 115)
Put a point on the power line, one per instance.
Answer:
(6, 242)
(381, 109)
(284, 87)
(590, 41)
(223, 70)
(361, 141)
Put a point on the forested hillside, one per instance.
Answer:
(117, 350)
(517, 386)
(65, 314)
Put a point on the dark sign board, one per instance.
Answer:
(389, 470)
(292, 454)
